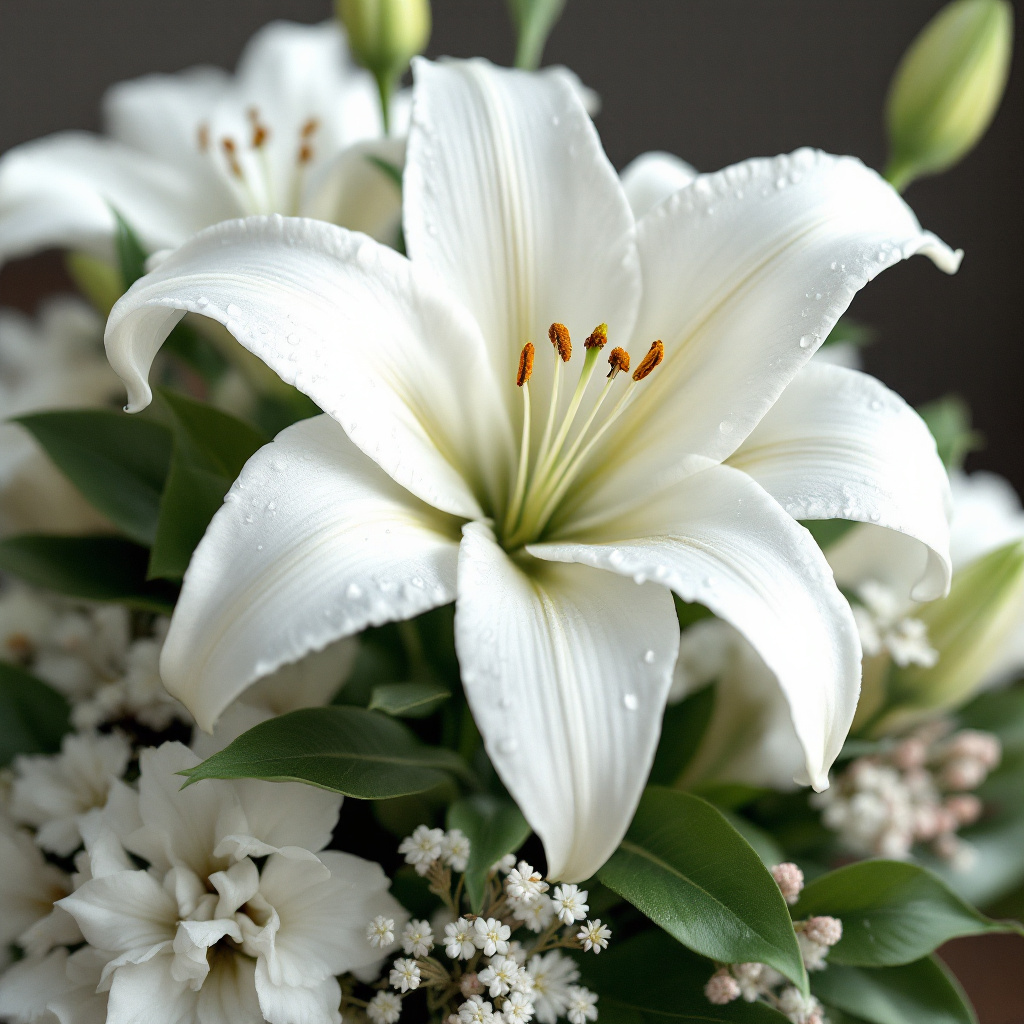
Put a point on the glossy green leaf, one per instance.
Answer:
(494, 827)
(33, 716)
(685, 867)
(99, 568)
(650, 978)
(131, 255)
(892, 912)
(210, 449)
(921, 992)
(118, 462)
(849, 332)
(763, 842)
(949, 420)
(347, 750)
(409, 700)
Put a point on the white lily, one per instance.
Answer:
(291, 132)
(559, 525)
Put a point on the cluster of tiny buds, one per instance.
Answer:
(755, 982)
(498, 979)
(918, 791)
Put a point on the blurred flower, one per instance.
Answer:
(546, 519)
(54, 361)
(293, 131)
(948, 87)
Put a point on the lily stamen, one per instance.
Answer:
(523, 382)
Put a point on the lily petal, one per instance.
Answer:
(59, 190)
(652, 177)
(566, 671)
(353, 325)
(839, 444)
(512, 201)
(745, 272)
(314, 542)
(719, 539)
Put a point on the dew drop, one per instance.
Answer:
(293, 339)
(630, 701)
(649, 658)
(233, 310)
(556, 120)
(640, 578)
(249, 519)
(353, 591)
(805, 341)
(875, 405)
(709, 581)
(259, 547)
(875, 516)
(508, 745)
(817, 295)
(615, 557)
(726, 427)
(202, 302)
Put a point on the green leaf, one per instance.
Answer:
(118, 462)
(99, 568)
(763, 842)
(682, 729)
(650, 977)
(827, 532)
(409, 700)
(33, 716)
(347, 750)
(685, 867)
(494, 827)
(949, 420)
(921, 992)
(391, 171)
(892, 913)
(849, 332)
(131, 256)
(210, 449)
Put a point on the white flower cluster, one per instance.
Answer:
(917, 792)
(89, 654)
(755, 982)
(214, 903)
(493, 978)
(884, 625)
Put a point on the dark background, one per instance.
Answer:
(714, 81)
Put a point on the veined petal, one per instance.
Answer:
(59, 190)
(745, 272)
(652, 177)
(839, 444)
(718, 538)
(511, 200)
(146, 993)
(314, 542)
(353, 325)
(566, 671)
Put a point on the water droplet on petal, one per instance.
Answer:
(875, 516)
(233, 310)
(630, 701)
(649, 658)
(353, 591)
(726, 427)
(293, 339)
(875, 405)
(508, 745)
(202, 302)
(805, 341)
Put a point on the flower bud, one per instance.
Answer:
(947, 87)
(384, 36)
(969, 628)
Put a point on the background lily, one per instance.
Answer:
(290, 132)
(558, 516)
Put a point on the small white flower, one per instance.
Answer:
(524, 883)
(491, 935)
(422, 848)
(721, 988)
(594, 936)
(582, 1005)
(380, 932)
(505, 865)
(798, 1008)
(405, 975)
(384, 1008)
(456, 849)
(476, 1010)
(813, 953)
(500, 975)
(458, 939)
(570, 903)
(553, 975)
(517, 952)
(417, 938)
(536, 915)
(518, 1008)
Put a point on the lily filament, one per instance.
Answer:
(536, 494)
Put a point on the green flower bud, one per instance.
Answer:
(534, 20)
(969, 629)
(947, 88)
(384, 36)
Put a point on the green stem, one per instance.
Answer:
(385, 88)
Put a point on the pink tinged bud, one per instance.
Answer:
(945, 821)
(471, 985)
(980, 746)
(790, 880)
(962, 773)
(911, 753)
(824, 930)
(722, 988)
(965, 807)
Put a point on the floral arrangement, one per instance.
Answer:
(506, 600)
